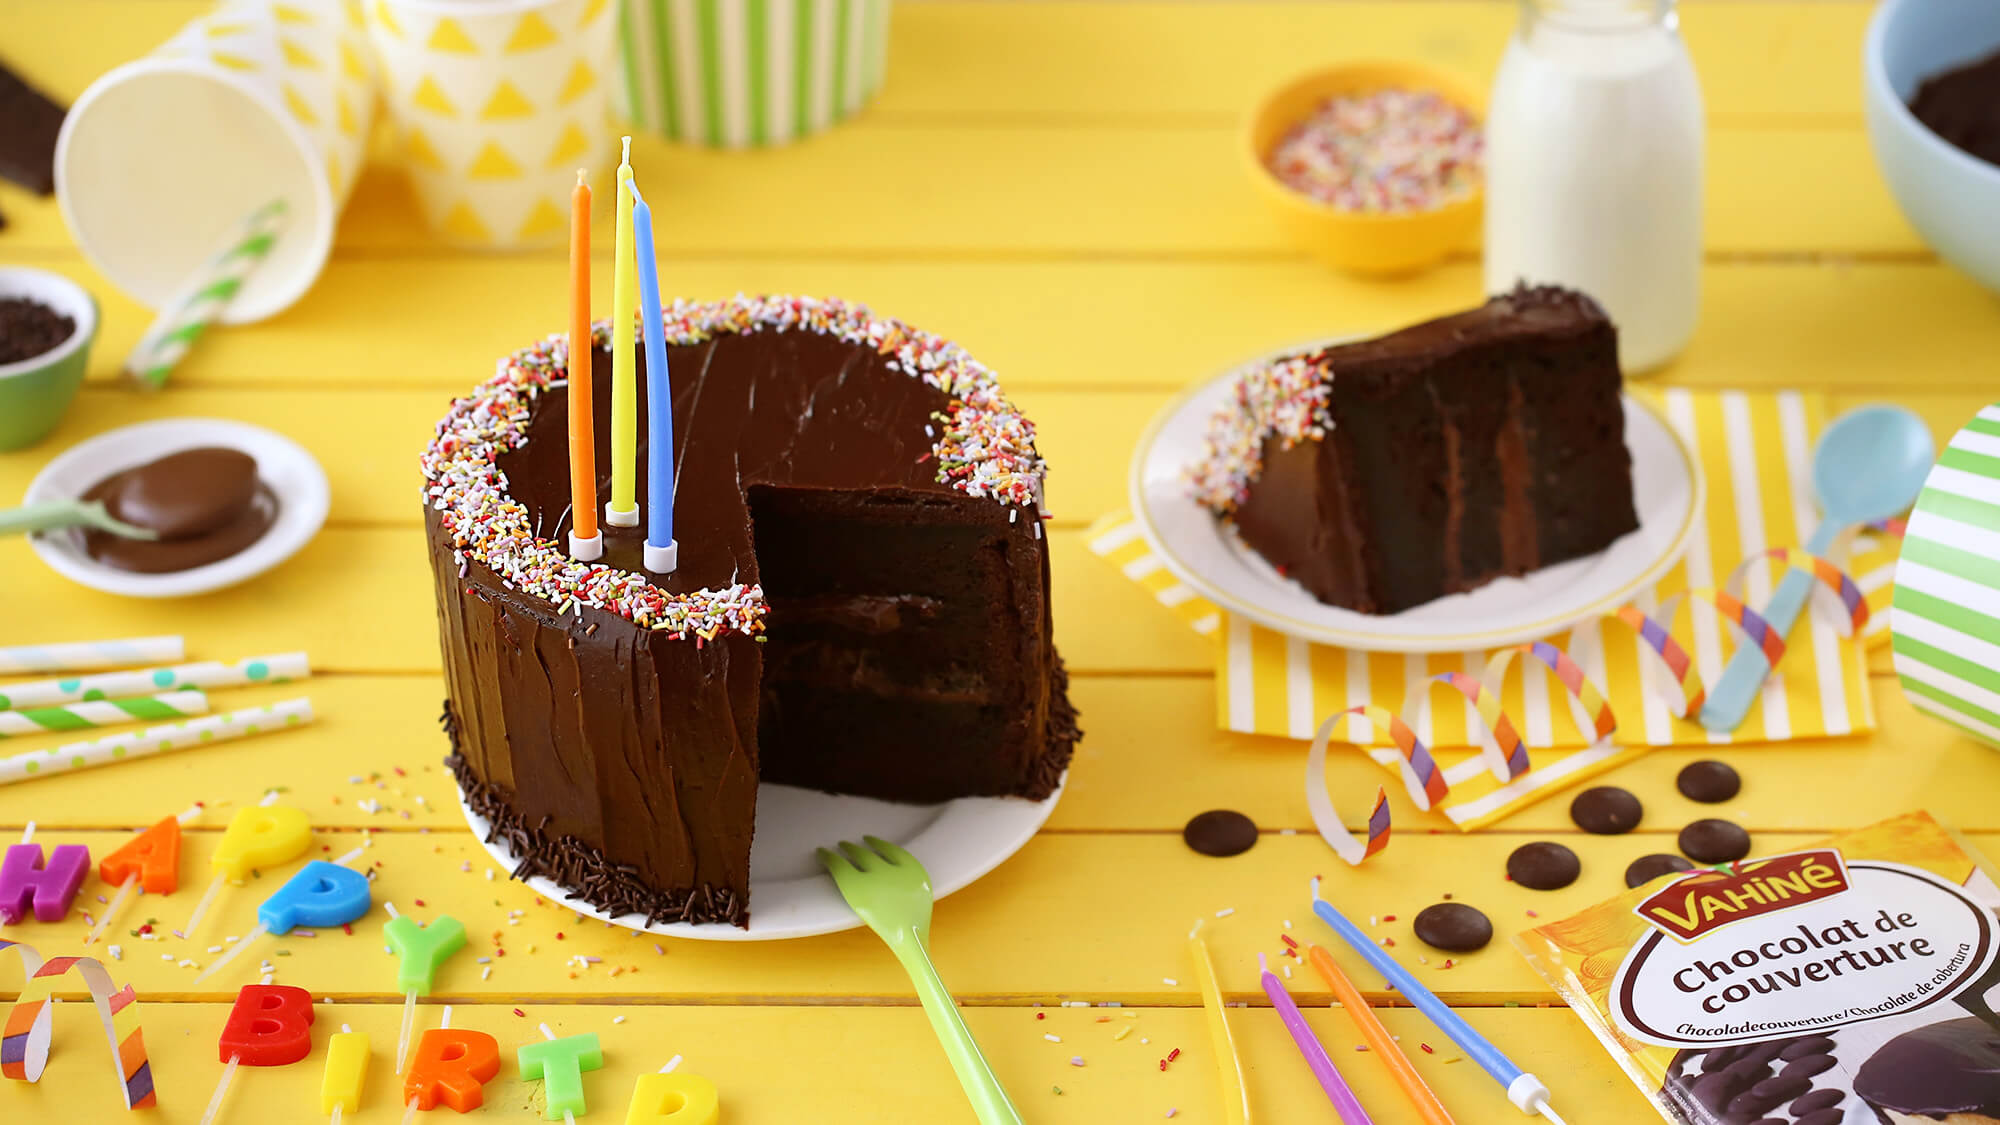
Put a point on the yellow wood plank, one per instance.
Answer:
(848, 1066)
(1084, 60)
(1073, 325)
(1009, 190)
(1090, 917)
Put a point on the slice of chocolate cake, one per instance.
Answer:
(1386, 473)
(861, 604)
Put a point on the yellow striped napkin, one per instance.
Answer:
(1755, 449)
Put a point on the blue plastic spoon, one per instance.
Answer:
(1869, 465)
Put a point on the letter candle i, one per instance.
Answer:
(263, 836)
(586, 543)
(346, 1069)
(149, 862)
(663, 552)
(622, 510)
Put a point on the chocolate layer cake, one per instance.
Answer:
(1386, 473)
(861, 604)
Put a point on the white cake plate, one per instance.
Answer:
(790, 896)
(1208, 555)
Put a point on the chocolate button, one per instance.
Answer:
(1453, 927)
(1823, 1117)
(1709, 782)
(1647, 868)
(1606, 810)
(1818, 1099)
(1715, 841)
(1543, 866)
(1220, 832)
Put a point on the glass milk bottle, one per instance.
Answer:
(1594, 144)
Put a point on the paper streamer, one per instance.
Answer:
(26, 1037)
(156, 740)
(102, 713)
(119, 685)
(85, 656)
(1945, 618)
(1320, 802)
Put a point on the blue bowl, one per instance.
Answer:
(1949, 195)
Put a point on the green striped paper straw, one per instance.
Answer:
(742, 73)
(84, 656)
(208, 293)
(156, 740)
(103, 713)
(1945, 617)
(123, 685)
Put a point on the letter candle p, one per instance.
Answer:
(663, 551)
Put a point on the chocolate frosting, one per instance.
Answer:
(206, 504)
(1935, 1071)
(907, 654)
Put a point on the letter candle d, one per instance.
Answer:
(663, 552)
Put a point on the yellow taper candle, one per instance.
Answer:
(622, 510)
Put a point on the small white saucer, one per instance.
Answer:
(282, 463)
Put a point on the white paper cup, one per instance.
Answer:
(161, 159)
(498, 103)
(748, 73)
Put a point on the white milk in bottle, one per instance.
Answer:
(1594, 160)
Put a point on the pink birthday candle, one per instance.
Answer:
(1309, 1045)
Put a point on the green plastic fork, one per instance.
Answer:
(891, 892)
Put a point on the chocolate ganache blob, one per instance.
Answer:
(206, 504)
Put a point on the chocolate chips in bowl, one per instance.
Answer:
(29, 328)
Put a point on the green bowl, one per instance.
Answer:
(35, 391)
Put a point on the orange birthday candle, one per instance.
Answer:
(584, 543)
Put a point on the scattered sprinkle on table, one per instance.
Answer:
(1389, 150)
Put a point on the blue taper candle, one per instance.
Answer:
(662, 550)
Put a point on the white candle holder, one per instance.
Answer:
(629, 517)
(586, 550)
(663, 560)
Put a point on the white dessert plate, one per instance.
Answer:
(282, 463)
(1208, 555)
(790, 896)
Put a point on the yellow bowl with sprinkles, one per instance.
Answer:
(1409, 195)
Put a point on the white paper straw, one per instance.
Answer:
(120, 685)
(84, 656)
(156, 740)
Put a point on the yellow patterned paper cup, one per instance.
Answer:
(498, 104)
(161, 159)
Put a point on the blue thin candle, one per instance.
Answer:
(660, 544)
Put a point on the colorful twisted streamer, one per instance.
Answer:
(1420, 773)
(26, 1036)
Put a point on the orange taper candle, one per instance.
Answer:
(585, 544)
(1379, 1040)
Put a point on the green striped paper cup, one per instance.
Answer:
(744, 73)
(1945, 618)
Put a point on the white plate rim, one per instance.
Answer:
(292, 472)
(970, 837)
(1388, 639)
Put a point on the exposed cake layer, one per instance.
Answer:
(895, 639)
(1386, 473)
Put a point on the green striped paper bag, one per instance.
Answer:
(1946, 617)
(743, 73)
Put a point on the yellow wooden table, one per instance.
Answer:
(1054, 185)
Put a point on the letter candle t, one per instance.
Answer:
(586, 543)
(663, 552)
(622, 510)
